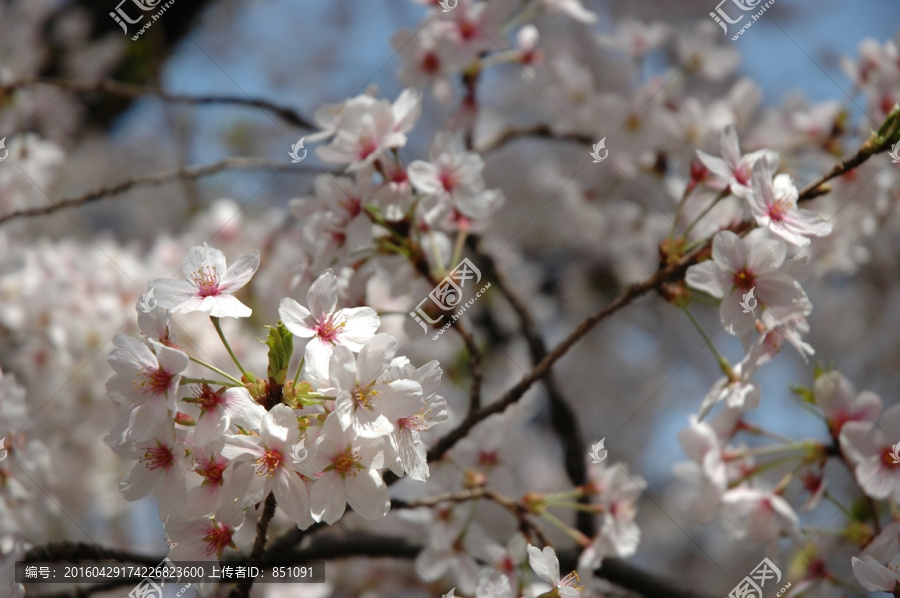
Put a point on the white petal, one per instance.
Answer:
(296, 318)
(240, 273)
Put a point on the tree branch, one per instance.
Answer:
(130, 91)
(563, 419)
(539, 131)
(242, 590)
(187, 172)
(667, 273)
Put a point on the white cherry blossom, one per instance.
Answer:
(209, 284)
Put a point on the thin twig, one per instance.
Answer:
(187, 172)
(668, 273)
(540, 131)
(128, 90)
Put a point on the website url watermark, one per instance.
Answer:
(447, 295)
(723, 19)
(124, 19)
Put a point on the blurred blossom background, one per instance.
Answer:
(69, 280)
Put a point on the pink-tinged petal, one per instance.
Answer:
(368, 494)
(343, 408)
(203, 259)
(327, 500)
(272, 433)
(872, 575)
(425, 177)
(202, 500)
(717, 166)
(544, 563)
(360, 324)
(869, 405)
(227, 306)
(322, 296)
(239, 273)
(779, 290)
(732, 314)
(242, 409)
(375, 356)
(241, 447)
(710, 278)
(860, 440)
(172, 293)
(210, 426)
(291, 494)
(412, 454)
(130, 354)
(875, 479)
(148, 418)
(318, 355)
(765, 256)
(729, 251)
(171, 361)
(296, 318)
(139, 482)
(730, 147)
(342, 369)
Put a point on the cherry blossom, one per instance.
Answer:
(160, 465)
(759, 515)
(346, 471)
(369, 127)
(325, 325)
(739, 265)
(275, 470)
(144, 385)
(546, 567)
(865, 444)
(204, 539)
(218, 408)
(209, 286)
(455, 177)
(734, 171)
(774, 205)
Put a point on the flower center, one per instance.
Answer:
(742, 175)
(218, 539)
(211, 471)
(367, 147)
(157, 458)
(206, 281)
(572, 581)
(430, 63)
(744, 279)
(778, 209)
(153, 381)
(207, 398)
(364, 396)
(346, 462)
(269, 463)
(488, 458)
(448, 180)
(328, 330)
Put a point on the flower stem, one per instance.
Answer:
(723, 363)
(186, 380)
(216, 370)
(574, 534)
(234, 358)
(297, 375)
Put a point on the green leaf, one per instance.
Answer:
(281, 347)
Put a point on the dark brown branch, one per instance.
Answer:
(185, 173)
(130, 91)
(667, 273)
(538, 131)
(563, 419)
(242, 590)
